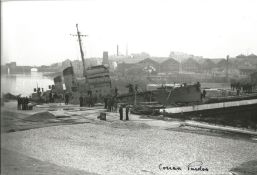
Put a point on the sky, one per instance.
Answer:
(38, 32)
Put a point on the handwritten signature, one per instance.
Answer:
(194, 166)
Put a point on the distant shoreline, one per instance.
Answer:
(52, 74)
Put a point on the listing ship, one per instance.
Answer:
(97, 83)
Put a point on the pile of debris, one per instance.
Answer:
(147, 108)
(40, 117)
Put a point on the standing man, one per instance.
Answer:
(50, 96)
(127, 112)
(204, 93)
(27, 103)
(111, 104)
(22, 103)
(121, 112)
(108, 104)
(105, 103)
(19, 103)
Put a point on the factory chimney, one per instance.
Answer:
(105, 59)
(117, 50)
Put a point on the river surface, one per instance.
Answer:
(24, 83)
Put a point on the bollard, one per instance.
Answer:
(103, 116)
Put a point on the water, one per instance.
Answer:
(24, 84)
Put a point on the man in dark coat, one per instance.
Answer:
(23, 103)
(26, 101)
(121, 112)
(111, 104)
(204, 93)
(19, 103)
(105, 103)
(127, 112)
(50, 97)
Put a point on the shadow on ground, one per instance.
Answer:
(246, 168)
(18, 164)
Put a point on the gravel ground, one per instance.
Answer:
(14, 163)
(106, 149)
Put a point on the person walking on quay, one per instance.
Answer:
(127, 112)
(121, 112)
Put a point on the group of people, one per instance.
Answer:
(23, 103)
(110, 104)
(87, 101)
(245, 87)
(52, 97)
(121, 112)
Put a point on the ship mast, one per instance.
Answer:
(81, 50)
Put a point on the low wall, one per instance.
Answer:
(209, 106)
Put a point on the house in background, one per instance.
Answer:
(221, 65)
(207, 65)
(170, 65)
(160, 64)
(148, 62)
(250, 59)
(191, 65)
(246, 70)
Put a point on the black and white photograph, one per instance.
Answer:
(128, 87)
